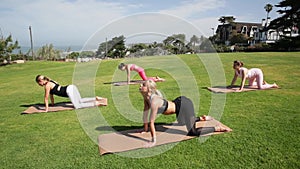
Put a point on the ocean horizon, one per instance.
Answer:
(70, 48)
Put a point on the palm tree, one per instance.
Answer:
(268, 9)
(194, 39)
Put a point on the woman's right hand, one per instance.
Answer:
(141, 131)
(43, 111)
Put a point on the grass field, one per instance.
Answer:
(266, 124)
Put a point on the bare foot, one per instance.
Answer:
(275, 86)
(101, 102)
(220, 128)
(99, 98)
(159, 79)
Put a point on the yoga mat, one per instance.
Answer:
(222, 89)
(131, 139)
(38, 108)
(122, 83)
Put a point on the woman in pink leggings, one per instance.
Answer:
(254, 75)
(139, 70)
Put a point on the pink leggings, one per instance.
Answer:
(144, 77)
(258, 79)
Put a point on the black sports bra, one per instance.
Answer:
(59, 90)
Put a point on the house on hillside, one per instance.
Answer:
(254, 32)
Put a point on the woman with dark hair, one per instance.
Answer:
(254, 75)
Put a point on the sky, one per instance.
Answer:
(82, 22)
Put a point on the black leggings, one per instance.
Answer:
(186, 115)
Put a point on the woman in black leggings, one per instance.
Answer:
(181, 106)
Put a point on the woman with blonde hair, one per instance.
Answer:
(53, 88)
(254, 75)
(181, 106)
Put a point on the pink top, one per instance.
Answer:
(250, 73)
(136, 68)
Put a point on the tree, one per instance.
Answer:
(175, 43)
(47, 52)
(7, 46)
(73, 55)
(238, 39)
(288, 22)
(226, 20)
(206, 45)
(86, 54)
(137, 47)
(115, 48)
(268, 9)
(194, 39)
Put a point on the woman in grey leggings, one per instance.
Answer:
(53, 88)
(181, 106)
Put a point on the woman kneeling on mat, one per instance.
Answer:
(139, 70)
(53, 88)
(181, 106)
(254, 75)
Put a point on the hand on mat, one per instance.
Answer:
(238, 90)
(43, 111)
(142, 131)
(150, 144)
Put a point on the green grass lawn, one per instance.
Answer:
(266, 124)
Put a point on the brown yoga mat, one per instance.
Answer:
(122, 83)
(131, 139)
(39, 108)
(222, 89)
(132, 82)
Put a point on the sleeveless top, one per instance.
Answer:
(250, 72)
(163, 108)
(59, 90)
(136, 68)
(239, 73)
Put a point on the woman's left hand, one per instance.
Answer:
(238, 90)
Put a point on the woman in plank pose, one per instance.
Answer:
(181, 106)
(254, 75)
(139, 70)
(53, 88)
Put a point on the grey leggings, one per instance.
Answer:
(186, 115)
(76, 99)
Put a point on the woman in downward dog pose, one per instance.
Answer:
(254, 75)
(139, 70)
(181, 106)
(53, 88)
